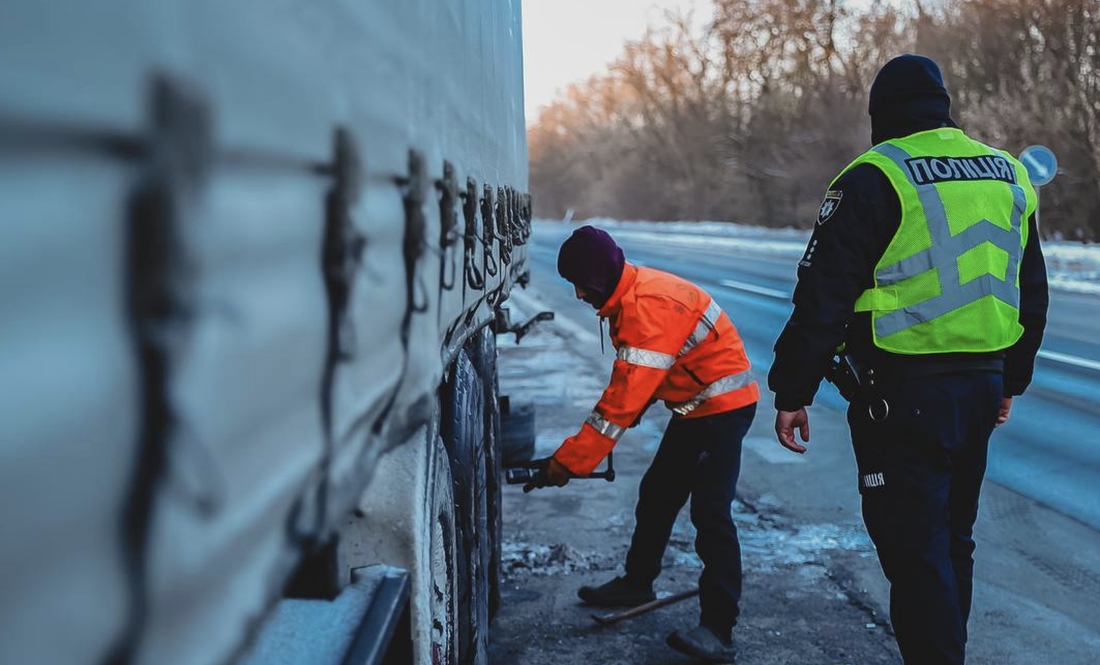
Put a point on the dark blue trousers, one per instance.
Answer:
(700, 458)
(920, 473)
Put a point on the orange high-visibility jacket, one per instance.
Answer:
(672, 343)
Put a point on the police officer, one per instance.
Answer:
(673, 343)
(925, 265)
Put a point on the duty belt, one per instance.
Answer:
(919, 369)
(726, 384)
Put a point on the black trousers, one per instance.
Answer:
(700, 458)
(920, 473)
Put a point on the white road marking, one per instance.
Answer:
(753, 288)
(1070, 360)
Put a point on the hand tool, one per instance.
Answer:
(517, 475)
(610, 619)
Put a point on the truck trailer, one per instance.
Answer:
(253, 265)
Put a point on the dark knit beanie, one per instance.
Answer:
(908, 94)
(590, 259)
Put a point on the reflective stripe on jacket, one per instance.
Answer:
(673, 343)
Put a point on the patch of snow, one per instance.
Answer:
(774, 546)
(718, 229)
(766, 500)
(769, 544)
(688, 559)
(620, 519)
(732, 238)
(522, 558)
(1073, 266)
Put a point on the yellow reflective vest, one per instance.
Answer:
(949, 279)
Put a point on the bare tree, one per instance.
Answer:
(749, 118)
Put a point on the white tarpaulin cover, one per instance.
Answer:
(221, 437)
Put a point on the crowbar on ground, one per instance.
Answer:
(609, 619)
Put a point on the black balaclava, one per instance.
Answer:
(908, 96)
(591, 259)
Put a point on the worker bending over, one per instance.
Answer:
(673, 343)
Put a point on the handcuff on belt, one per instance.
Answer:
(845, 374)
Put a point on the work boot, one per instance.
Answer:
(701, 642)
(619, 592)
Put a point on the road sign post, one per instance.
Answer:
(1042, 166)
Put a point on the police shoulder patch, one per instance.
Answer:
(829, 205)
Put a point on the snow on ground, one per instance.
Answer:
(737, 238)
(1072, 266)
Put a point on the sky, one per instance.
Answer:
(565, 41)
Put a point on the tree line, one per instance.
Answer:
(748, 118)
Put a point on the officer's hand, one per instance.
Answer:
(785, 424)
(1005, 412)
(554, 474)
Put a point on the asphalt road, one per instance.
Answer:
(1038, 558)
(1051, 453)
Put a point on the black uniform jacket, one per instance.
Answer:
(839, 265)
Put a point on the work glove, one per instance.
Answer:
(552, 473)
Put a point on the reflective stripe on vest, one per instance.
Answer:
(605, 426)
(726, 384)
(943, 255)
(706, 324)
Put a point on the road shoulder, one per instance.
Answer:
(799, 603)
